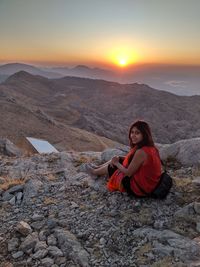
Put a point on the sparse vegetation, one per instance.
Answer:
(49, 201)
(172, 162)
(80, 161)
(8, 182)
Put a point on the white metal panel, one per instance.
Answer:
(41, 146)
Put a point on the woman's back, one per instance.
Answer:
(148, 175)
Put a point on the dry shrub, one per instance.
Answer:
(80, 161)
(50, 200)
(172, 162)
(8, 183)
(51, 177)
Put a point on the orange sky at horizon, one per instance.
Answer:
(100, 33)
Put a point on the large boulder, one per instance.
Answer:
(9, 149)
(184, 151)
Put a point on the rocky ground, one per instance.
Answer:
(54, 214)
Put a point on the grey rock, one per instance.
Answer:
(7, 148)
(31, 190)
(17, 254)
(55, 251)
(7, 196)
(51, 240)
(47, 262)
(43, 235)
(52, 223)
(71, 247)
(197, 207)
(41, 245)
(60, 260)
(1, 191)
(12, 201)
(186, 212)
(37, 217)
(198, 227)
(38, 225)
(183, 247)
(13, 244)
(185, 151)
(15, 189)
(23, 228)
(40, 254)
(29, 243)
(19, 197)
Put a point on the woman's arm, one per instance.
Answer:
(139, 157)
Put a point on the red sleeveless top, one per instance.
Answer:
(148, 174)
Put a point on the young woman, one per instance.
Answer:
(139, 172)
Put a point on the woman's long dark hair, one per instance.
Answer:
(144, 128)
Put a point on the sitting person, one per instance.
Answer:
(139, 171)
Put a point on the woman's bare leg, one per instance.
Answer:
(104, 164)
(101, 170)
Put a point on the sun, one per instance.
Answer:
(122, 56)
(123, 62)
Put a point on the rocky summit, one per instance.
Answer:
(54, 214)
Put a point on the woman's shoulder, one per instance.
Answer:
(150, 149)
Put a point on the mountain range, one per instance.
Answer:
(81, 113)
(181, 80)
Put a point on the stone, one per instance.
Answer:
(198, 227)
(47, 262)
(185, 151)
(60, 260)
(19, 197)
(40, 246)
(182, 247)
(24, 228)
(43, 235)
(51, 223)
(37, 217)
(31, 190)
(15, 189)
(51, 240)
(12, 201)
(40, 254)
(9, 149)
(186, 212)
(197, 207)
(71, 247)
(29, 243)
(13, 244)
(17, 254)
(37, 225)
(55, 251)
(7, 196)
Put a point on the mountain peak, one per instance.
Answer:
(19, 76)
(82, 67)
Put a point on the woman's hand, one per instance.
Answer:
(115, 160)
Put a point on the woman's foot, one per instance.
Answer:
(89, 168)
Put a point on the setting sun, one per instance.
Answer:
(122, 62)
(122, 56)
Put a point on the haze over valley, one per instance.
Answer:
(77, 113)
(180, 80)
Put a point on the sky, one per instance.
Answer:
(100, 32)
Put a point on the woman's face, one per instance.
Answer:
(135, 136)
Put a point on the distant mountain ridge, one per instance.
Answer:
(97, 106)
(181, 80)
